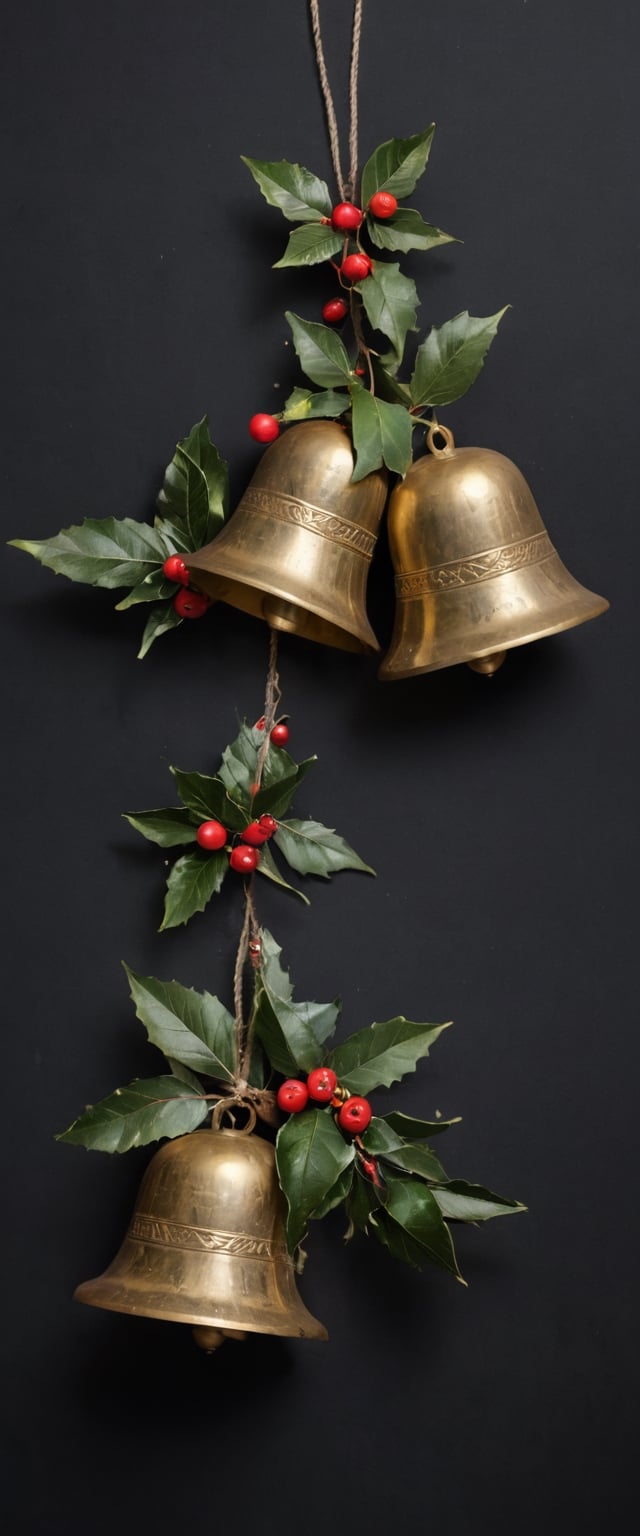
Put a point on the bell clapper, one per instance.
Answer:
(487, 665)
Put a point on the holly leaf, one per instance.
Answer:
(419, 1160)
(305, 405)
(406, 231)
(183, 1073)
(410, 1129)
(459, 1201)
(396, 165)
(193, 1027)
(387, 386)
(151, 589)
(322, 355)
(309, 245)
(339, 1192)
(160, 620)
(146, 1110)
(281, 777)
(391, 303)
(311, 1154)
(169, 827)
(411, 1226)
(362, 1200)
(208, 798)
(237, 770)
(268, 867)
(105, 552)
(194, 500)
(194, 879)
(292, 1033)
(450, 359)
(312, 849)
(381, 1055)
(381, 434)
(298, 194)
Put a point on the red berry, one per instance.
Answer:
(356, 267)
(355, 1115)
(269, 825)
(280, 734)
(254, 788)
(190, 605)
(321, 1083)
(292, 1096)
(383, 205)
(244, 860)
(211, 835)
(359, 372)
(264, 428)
(334, 310)
(175, 570)
(259, 725)
(254, 834)
(346, 216)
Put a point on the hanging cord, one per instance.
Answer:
(345, 188)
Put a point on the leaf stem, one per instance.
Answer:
(356, 321)
(250, 925)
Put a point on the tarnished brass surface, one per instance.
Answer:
(206, 1244)
(476, 572)
(297, 550)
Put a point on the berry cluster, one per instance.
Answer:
(356, 265)
(244, 857)
(352, 1113)
(187, 602)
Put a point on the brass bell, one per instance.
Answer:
(297, 550)
(476, 572)
(206, 1244)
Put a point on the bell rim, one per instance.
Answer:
(368, 643)
(387, 673)
(194, 1320)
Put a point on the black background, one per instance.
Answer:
(499, 814)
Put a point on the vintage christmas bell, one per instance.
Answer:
(206, 1244)
(476, 572)
(297, 550)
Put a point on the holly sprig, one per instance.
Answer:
(111, 552)
(234, 817)
(387, 1177)
(384, 409)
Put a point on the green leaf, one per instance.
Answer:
(323, 356)
(459, 1201)
(339, 1192)
(412, 1227)
(391, 303)
(149, 1108)
(312, 849)
(309, 245)
(450, 359)
(168, 828)
(194, 499)
(193, 1027)
(362, 1200)
(321, 1017)
(151, 589)
(292, 1033)
(299, 194)
(194, 879)
(239, 763)
(419, 1160)
(281, 778)
(185, 1075)
(311, 1153)
(411, 1129)
(268, 867)
(160, 620)
(406, 231)
(106, 552)
(381, 1055)
(208, 798)
(396, 165)
(381, 434)
(387, 386)
(305, 405)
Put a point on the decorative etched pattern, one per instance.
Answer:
(462, 573)
(288, 509)
(171, 1234)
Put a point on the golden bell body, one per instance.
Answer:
(297, 550)
(476, 572)
(206, 1244)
